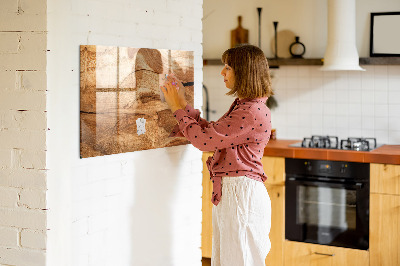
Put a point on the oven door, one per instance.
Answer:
(327, 213)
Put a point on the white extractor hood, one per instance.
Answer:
(341, 51)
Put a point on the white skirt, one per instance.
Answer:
(241, 223)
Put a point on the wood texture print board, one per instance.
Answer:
(121, 105)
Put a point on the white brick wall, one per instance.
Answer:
(140, 208)
(22, 132)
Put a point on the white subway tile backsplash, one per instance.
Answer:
(342, 122)
(328, 74)
(394, 82)
(394, 110)
(355, 96)
(354, 80)
(381, 110)
(381, 84)
(348, 103)
(382, 123)
(367, 110)
(329, 123)
(367, 96)
(342, 109)
(394, 137)
(316, 83)
(305, 95)
(329, 93)
(293, 120)
(304, 109)
(304, 82)
(369, 71)
(381, 136)
(380, 71)
(381, 97)
(394, 97)
(291, 71)
(317, 131)
(342, 81)
(355, 122)
(292, 83)
(329, 109)
(355, 132)
(394, 123)
(316, 72)
(368, 123)
(342, 96)
(393, 71)
(304, 72)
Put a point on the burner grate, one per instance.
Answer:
(327, 142)
(332, 142)
(358, 144)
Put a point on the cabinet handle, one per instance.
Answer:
(324, 254)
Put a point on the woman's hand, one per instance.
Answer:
(174, 93)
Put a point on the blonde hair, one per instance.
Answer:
(250, 66)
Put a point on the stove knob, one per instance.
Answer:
(343, 168)
(308, 166)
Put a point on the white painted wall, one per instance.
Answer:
(23, 133)
(305, 18)
(139, 208)
(311, 102)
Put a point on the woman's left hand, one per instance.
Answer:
(172, 97)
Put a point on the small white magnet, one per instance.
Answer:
(141, 126)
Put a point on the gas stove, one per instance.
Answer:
(332, 142)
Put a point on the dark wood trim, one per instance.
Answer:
(380, 61)
(273, 63)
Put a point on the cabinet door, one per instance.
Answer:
(274, 168)
(277, 233)
(385, 178)
(384, 230)
(206, 225)
(304, 254)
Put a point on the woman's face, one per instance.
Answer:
(229, 76)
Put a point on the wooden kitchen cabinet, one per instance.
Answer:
(274, 168)
(206, 225)
(385, 178)
(277, 233)
(384, 236)
(305, 254)
(385, 215)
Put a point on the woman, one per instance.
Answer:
(242, 208)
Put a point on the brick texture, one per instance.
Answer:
(23, 126)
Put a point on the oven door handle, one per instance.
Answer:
(352, 185)
(324, 254)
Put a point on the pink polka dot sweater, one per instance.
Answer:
(238, 139)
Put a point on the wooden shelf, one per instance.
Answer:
(273, 63)
(380, 61)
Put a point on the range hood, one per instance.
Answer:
(341, 51)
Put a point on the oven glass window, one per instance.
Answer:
(326, 207)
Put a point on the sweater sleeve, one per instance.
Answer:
(229, 131)
(193, 113)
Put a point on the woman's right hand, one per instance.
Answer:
(181, 91)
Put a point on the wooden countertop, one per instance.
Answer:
(389, 154)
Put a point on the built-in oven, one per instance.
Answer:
(327, 202)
